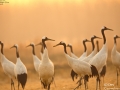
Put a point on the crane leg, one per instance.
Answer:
(49, 87)
(85, 82)
(12, 84)
(18, 85)
(98, 83)
(54, 81)
(117, 77)
(103, 80)
(79, 82)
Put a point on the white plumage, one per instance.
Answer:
(20, 70)
(87, 59)
(115, 56)
(73, 74)
(46, 67)
(36, 60)
(80, 67)
(85, 50)
(72, 53)
(99, 60)
(8, 66)
(41, 51)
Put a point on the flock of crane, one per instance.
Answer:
(85, 67)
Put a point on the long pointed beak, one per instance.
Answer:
(99, 37)
(118, 36)
(28, 46)
(109, 29)
(56, 45)
(68, 45)
(12, 47)
(50, 39)
(88, 41)
(38, 44)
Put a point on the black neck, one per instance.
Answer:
(97, 43)
(115, 41)
(71, 49)
(104, 38)
(42, 48)
(85, 48)
(17, 53)
(65, 48)
(2, 48)
(33, 51)
(93, 45)
(44, 45)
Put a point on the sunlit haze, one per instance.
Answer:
(25, 21)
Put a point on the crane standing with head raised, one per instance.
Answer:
(99, 60)
(20, 70)
(115, 56)
(46, 67)
(73, 74)
(8, 66)
(36, 60)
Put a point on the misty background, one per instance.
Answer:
(23, 22)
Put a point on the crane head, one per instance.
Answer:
(46, 39)
(86, 40)
(116, 36)
(94, 37)
(105, 28)
(14, 46)
(69, 45)
(1, 42)
(61, 43)
(39, 44)
(31, 44)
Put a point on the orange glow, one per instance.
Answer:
(68, 20)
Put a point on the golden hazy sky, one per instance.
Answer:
(23, 21)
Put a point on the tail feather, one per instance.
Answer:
(86, 77)
(73, 74)
(45, 85)
(22, 78)
(103, 72)
(94, 71)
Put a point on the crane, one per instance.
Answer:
(36, 60)
(73, 74)
(99, 60)
(87, 59)
(115, 56)
(7, 65)
(46, 67)
(20, 70)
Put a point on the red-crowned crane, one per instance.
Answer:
(115, 56)
(87, 59)
(99, 60)
(41, 51)
(36, 60)
(46, 67)
(73, 74)
(20, 70)
(85, 49)
(8, 66)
